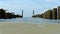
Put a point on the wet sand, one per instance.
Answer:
(21, 28)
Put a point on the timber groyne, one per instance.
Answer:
(50, 14)
(7, 15)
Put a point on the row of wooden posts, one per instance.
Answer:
(7, 15)
(49, 14)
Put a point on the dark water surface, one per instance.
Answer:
(29, 20)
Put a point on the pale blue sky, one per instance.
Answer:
(28, 5)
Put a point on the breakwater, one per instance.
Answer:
(7, 15)
(50, 14)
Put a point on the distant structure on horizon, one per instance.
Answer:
(22, 13)
(33, 12)
(4, 15)
(50, 14)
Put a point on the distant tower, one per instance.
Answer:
(22, 12)
(33, 12)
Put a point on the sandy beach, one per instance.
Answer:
(21, 28)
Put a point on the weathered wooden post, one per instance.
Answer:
(58, 12)
(54, 13)
(22, 13)
(2, 13)
(49, 14)
(33, 12)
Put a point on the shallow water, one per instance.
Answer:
(29, 20)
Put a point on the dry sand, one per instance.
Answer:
(19, 28)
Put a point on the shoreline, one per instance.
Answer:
(23, 28)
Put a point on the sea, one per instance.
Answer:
(30, 20)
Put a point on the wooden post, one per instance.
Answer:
(22, 12)
(58, 12)
(33, 12)
(54, 13)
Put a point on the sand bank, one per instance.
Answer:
(21, 28)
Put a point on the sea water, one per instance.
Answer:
(29, 20)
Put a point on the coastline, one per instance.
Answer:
(22, 28)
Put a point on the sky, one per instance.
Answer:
(39, 6)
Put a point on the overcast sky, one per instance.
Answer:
(28, 5)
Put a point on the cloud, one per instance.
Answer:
(29, 5)
(52, 0)
(49, 0)
(6, 0)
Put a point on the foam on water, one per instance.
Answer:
(29, 20)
